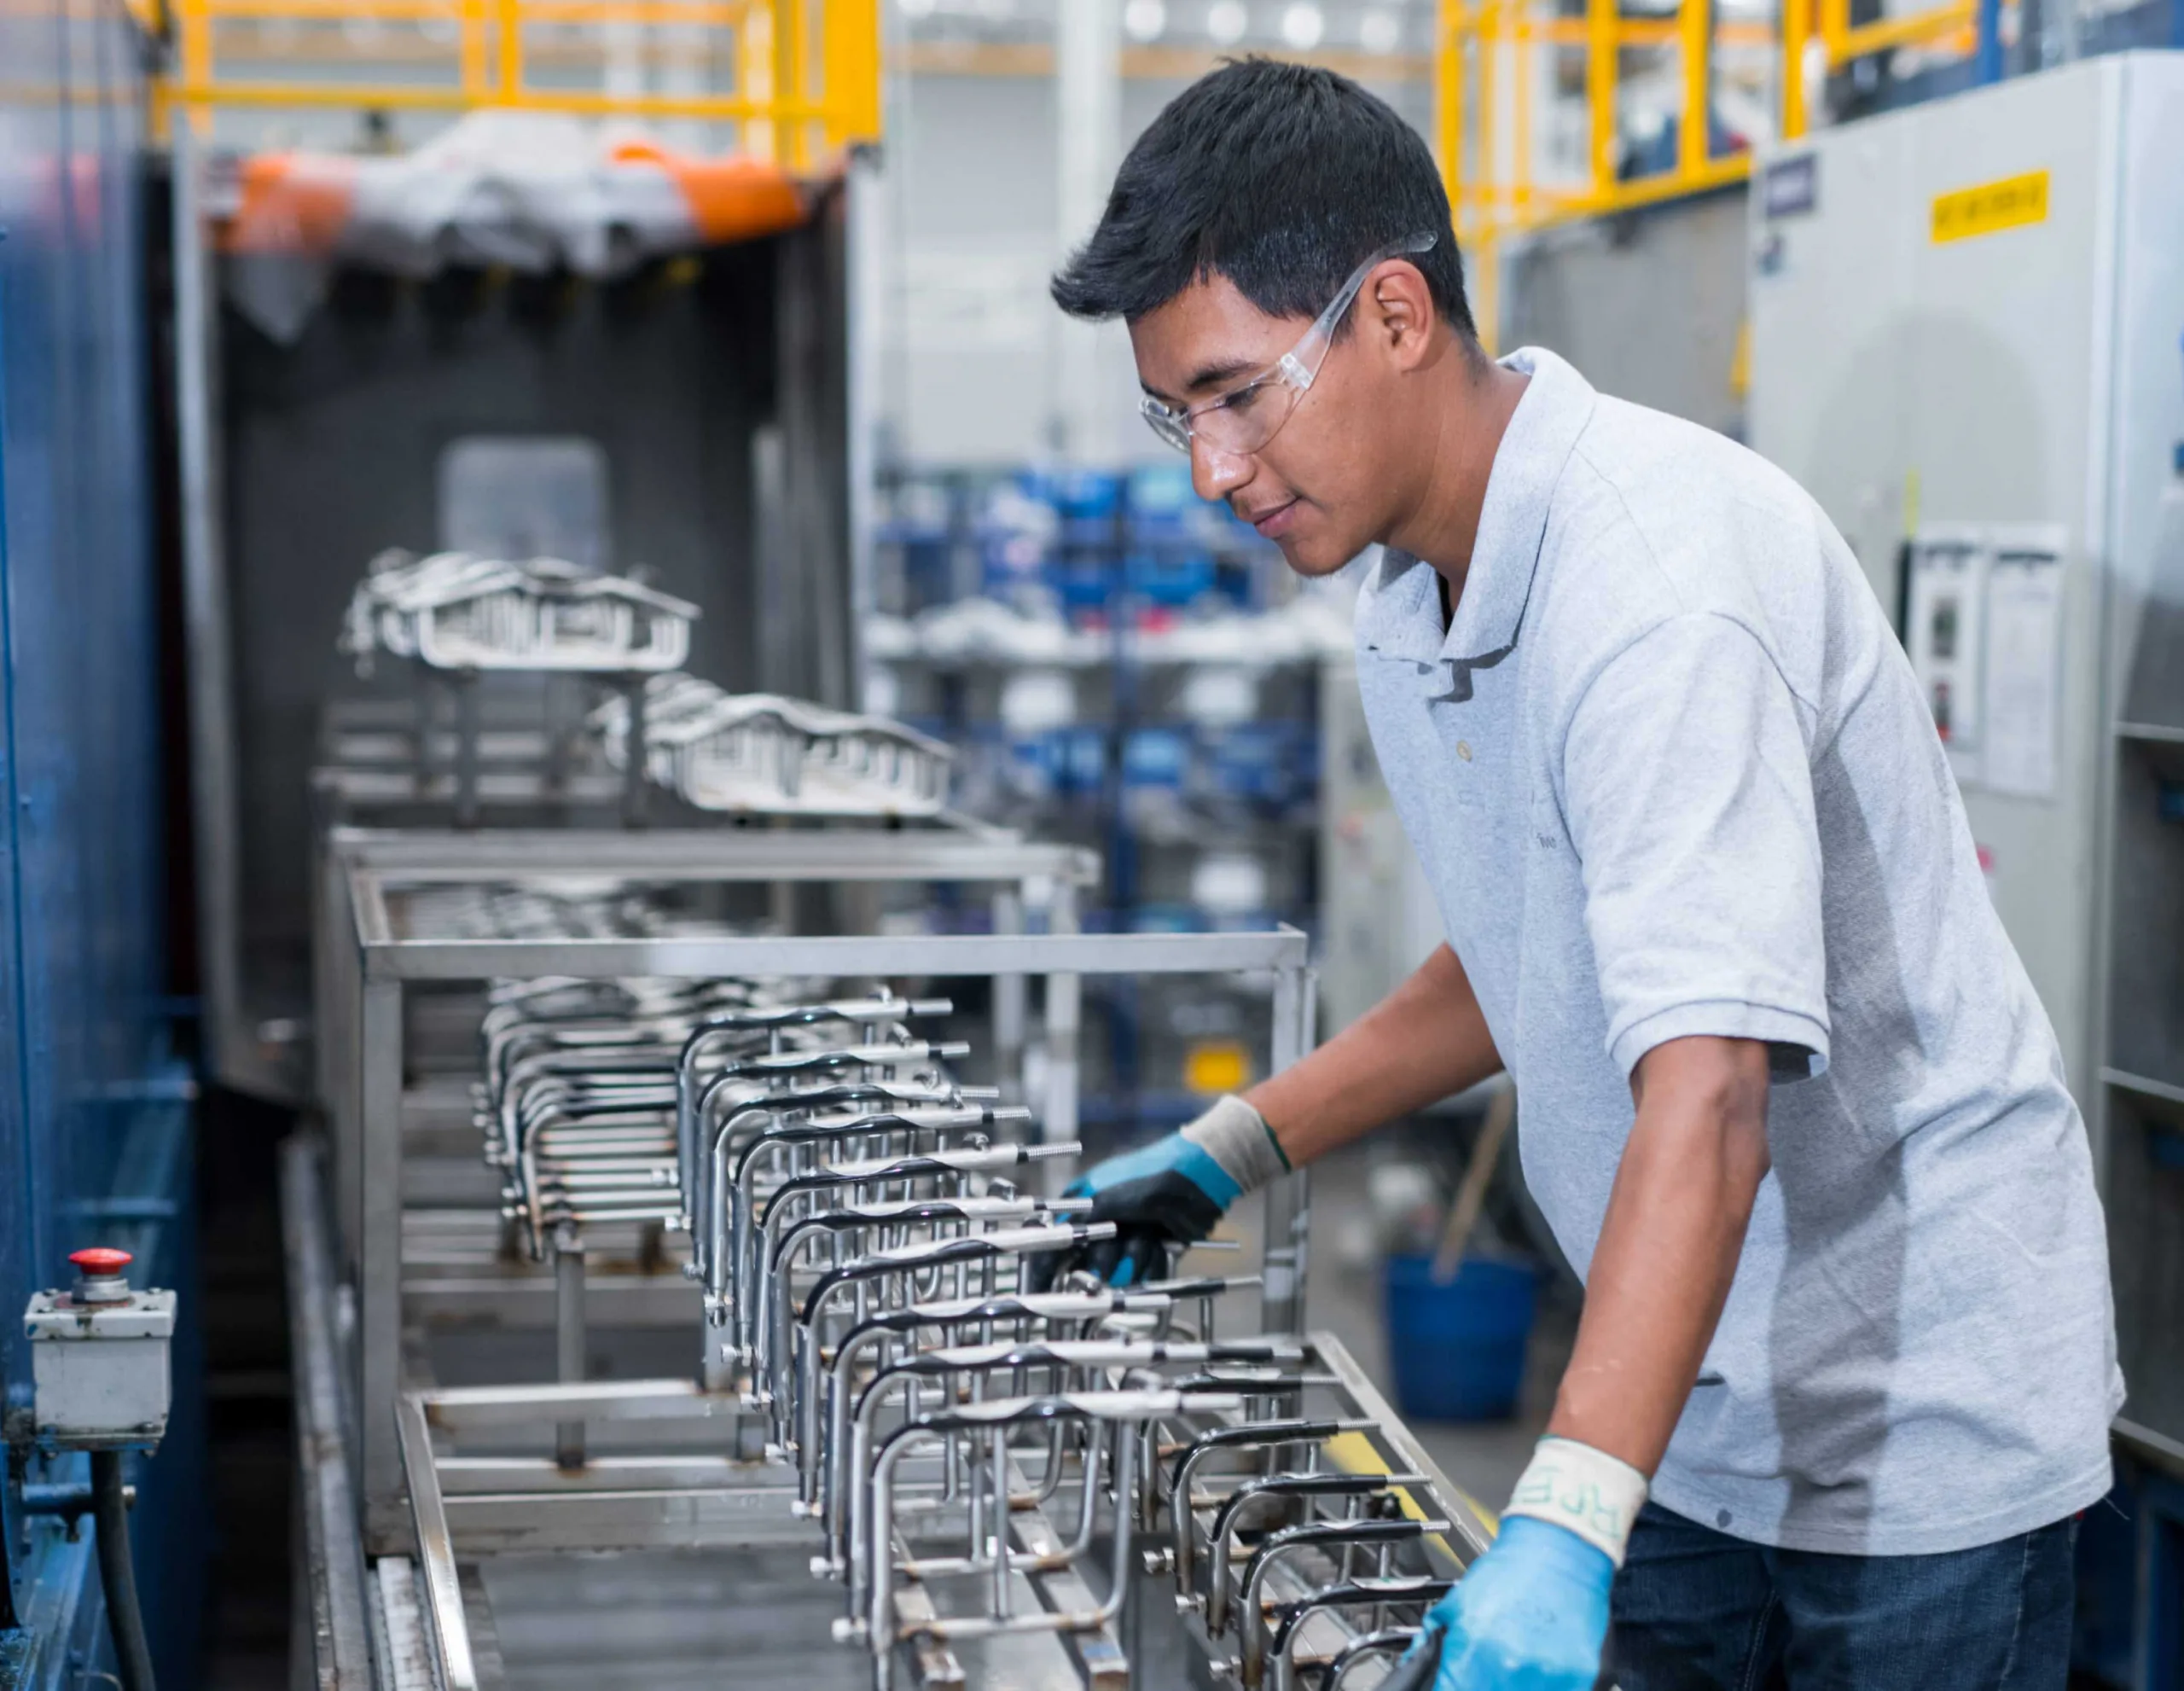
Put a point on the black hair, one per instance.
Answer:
(1282, 177)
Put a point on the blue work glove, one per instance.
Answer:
(1531, 1615)
(1170, 1192)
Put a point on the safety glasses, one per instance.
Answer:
(1251, 414)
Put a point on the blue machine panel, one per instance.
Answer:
(94, 1137)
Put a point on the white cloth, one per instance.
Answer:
(1236, 1136)
(1670, 774)
(1582, 1490)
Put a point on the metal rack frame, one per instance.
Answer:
(481, 1506)
(375, 969)
(1026, 878)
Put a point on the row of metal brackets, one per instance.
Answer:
(1032, 1459)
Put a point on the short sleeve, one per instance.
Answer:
(1688, 793)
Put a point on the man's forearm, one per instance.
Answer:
(1423, 1042)
(1669, 1246)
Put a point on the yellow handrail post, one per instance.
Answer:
(1521, 110)
(509, 22)
(861, 101)
(755, 77)
(791, 139)
(196, 31)
(1602, 45)
(1696, 21)
(1448, 106)
(1486, 295)
(1835, 29)
(1797, 32)
(834, 95)
(470, 27)
(1487, 154)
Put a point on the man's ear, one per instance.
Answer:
(1397, 308)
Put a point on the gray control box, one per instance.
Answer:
(101, 1369)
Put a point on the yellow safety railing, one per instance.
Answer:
(1488, 78)
(1951, 27)
(802, 78)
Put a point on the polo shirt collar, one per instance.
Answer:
(1404, 617)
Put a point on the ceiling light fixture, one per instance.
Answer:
(1226, 21)
(1302, 26)
(1144, 20)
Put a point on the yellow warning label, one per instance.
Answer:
(1353, 1453)
(1217, 1066)
(2010, 203)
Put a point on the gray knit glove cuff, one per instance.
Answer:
(1236, 1136)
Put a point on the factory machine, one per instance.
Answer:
(1968, 323)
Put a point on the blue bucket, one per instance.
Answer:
(1458, 1349)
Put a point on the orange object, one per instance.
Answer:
(291, 202)
(731, 199)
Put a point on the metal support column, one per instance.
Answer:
(378, 1268)
(634, 754)
(1288, 1201)
(212, 737)
(1987, 56)
(1011, 994)
(1065, 1011)
(1087, 103)
(333, 1591)
(572, 1363)
(464, 688)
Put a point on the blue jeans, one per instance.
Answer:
(1696, 1610)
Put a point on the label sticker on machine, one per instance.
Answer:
(1790, 186)
(1984, 630)
(2024, 642)
(2011, 202)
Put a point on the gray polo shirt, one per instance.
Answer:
(1670, 774)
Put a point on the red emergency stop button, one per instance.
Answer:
(98, 1262)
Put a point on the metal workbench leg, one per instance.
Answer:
(379, 1267)
(335, 1033)
(332, 1595)
(1288, 1201)
(634, 755)
(450, 1630)
(1065, 1010)
(1011, 1001)
(428, 735)
(572, 1362)
(466, 749)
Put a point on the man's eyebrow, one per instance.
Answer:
(1217, 375)
(1206, 376)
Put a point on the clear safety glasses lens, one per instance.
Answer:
(1244, 419)
(1172, 427)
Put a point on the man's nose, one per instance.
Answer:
(1216, 475)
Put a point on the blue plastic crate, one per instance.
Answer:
(1156, 757)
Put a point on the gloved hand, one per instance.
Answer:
(1170, 1191)
(1531, 1615)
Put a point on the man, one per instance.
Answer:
(1790, 1103)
